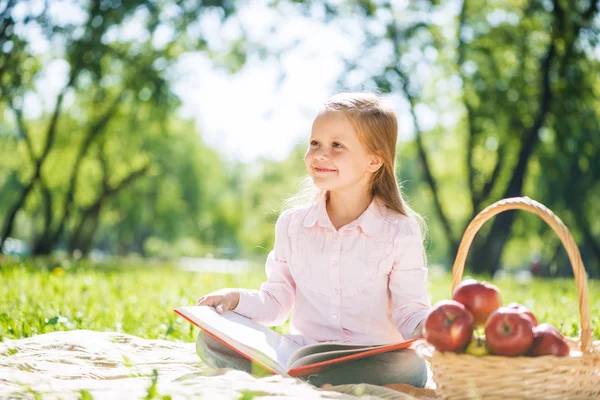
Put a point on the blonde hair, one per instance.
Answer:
(376, 125)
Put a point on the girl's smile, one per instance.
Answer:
(322, 169)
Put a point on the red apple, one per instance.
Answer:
(449, 326)
(547, 340)
(521, 308)
(481, 298)
(509, 332)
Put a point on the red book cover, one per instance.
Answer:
(275, 352)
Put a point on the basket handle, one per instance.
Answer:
(527, 204)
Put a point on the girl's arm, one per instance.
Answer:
(271, 304)
(408, 280)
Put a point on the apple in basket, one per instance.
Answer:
(521, 308)
(547, 340)
(509, 332)
(481, 298)
(449, 326)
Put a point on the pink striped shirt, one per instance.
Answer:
(364, 283)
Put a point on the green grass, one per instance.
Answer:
(139, 300)
(136, 300)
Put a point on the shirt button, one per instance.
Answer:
(335, 291)
(334, 317)
(334, 263)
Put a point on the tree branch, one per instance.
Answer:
(461, 48)
(489, 184)
(98, 127)
(462, 20)
(51, 132)
(23, 133)
(394, 34)
(94, 209)
(477, 196)
(105, 168)
(426, 169)
(128, 180)
(586, 19)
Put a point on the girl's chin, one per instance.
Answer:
(324, 183)
(323, 186)
(320, 184)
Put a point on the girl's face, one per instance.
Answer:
(335, 159)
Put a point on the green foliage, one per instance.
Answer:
(263, 191)
(503, 102)
(77, 157)
(506, 93)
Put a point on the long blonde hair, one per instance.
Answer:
(376, 125)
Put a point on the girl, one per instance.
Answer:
(351, 265)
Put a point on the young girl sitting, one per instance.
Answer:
(351, 265)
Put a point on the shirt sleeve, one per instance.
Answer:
(271, 304)
(408, 280)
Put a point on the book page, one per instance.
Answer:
(325, 347)
(257, 341)
(316, 358)
(313, 358)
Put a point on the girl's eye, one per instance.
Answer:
(336, 144)
(314, 143)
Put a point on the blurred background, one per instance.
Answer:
(172, 130)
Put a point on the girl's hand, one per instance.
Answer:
(221, 300)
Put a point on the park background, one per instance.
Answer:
(146, 146)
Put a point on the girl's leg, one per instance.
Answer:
(215, 354)
(404, 366)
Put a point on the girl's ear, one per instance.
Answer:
(375, 163)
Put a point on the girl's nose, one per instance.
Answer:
(321, 154)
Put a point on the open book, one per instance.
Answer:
(274, 352)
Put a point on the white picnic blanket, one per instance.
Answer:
(114, 365)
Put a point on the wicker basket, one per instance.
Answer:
(577, 376)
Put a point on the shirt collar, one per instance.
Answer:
(370, 221)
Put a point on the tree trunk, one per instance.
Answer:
(78, 237)
(82, 239)
(42, 246)
(486, 259)
(88, 239)
(39, 161)
(12, 213)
